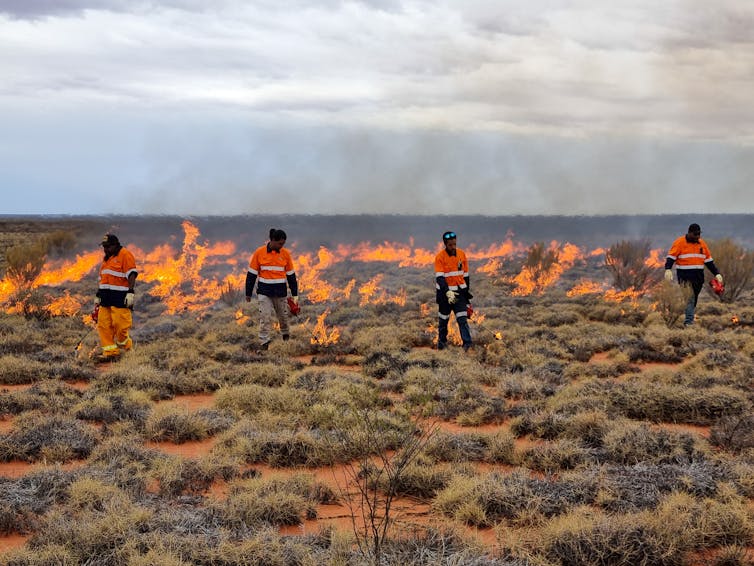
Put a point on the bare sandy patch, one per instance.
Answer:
(12, 541)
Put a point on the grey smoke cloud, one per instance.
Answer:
(411, 106)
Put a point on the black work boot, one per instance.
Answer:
(286, 337)
(442, 345)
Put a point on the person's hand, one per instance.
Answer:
(668, 275)
(97, 300)
(95, 311)
(248, 299)
(130, 299)
(451, 296)
(295, 299)
(719, 278)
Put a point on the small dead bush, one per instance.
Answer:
(670, 301)
(736, 263)
(25, 263)
(734, 433)
(627, 262)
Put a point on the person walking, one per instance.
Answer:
(271, 267)
(453, 294)
(114, 301)
(690, 254)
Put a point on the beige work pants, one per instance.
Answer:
(268, 305)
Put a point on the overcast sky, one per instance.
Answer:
(495, 107)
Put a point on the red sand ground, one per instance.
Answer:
(407, 512)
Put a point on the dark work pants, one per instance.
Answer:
(459, 309)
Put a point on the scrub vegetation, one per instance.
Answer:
(582, 429)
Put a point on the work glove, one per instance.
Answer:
(97, 301)
(719, 278)
(130, 299)
(451, 295)
(668, 275)
(295, 299)
(95, 311)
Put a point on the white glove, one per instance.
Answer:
(129, 300)
(451, 296)
(668, 275)
(295, 299)
(97, 300)
(719, 278)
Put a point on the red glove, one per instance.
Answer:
(469, 310)
(95, 313)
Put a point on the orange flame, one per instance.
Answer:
(529, 281)
(585, 287)
(179, 283)
(320, 334)
(655, 258)
(64, 306)
(629, 294)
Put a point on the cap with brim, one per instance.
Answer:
(110, 240)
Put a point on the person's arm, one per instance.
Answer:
(709, 262)
(466, 275)
(440, 276)
(669, 261)
(292, 283)
(251, 279)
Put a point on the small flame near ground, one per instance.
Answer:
(322, 335)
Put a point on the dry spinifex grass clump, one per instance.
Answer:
(259, 501)
(50, 396)
(664, 536)
(451, 394)
(54, 438)
(486, 500)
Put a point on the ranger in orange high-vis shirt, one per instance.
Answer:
(271, 268)
(690, 255)
(115, 298)
(453, 294)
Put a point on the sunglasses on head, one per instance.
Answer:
(448, 235)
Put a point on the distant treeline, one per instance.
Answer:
(312, 231)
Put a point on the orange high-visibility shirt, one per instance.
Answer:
(114, 271)
(688, 255)
(453, 268)
(272, 269)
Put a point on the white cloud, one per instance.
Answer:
(537, 102)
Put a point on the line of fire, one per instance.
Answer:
(196, 277)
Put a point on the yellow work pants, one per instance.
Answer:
(113, 325)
